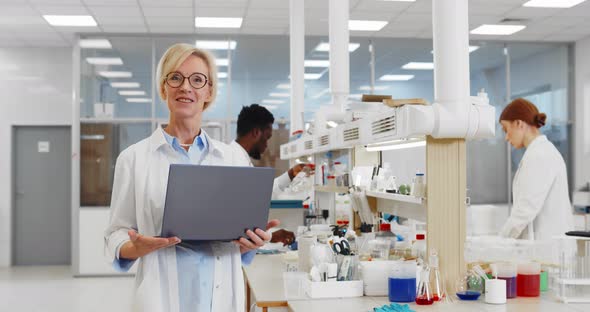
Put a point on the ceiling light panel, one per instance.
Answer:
(95, 44)
(115, 74)
(138, 100)
(270, 107)
(396, 77)
(419, 66)
(316, 63)
(218, 22)
(104, 60)
(268, 101)
(70, 20)
(325, 47)
(132, 93)
(552, 3)
(125, 85)
(278, 94)
(360, 25)
(221, 62)
(215, 44)
(498, 30)
(310, 76)
(221, 75)
(284, 86)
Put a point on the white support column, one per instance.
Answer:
(339, 56)
(297, 48)
(451, 66)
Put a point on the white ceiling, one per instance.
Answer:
(21, 22)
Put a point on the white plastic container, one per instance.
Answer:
(495, 290)
(343, 289)
(374, 276)
(294, 284)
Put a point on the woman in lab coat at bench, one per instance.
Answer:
(175, 277)
(541, 206)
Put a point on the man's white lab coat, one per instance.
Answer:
(540, 194)
(243, 159)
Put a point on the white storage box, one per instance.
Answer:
(341, 289)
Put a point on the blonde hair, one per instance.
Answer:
(175, 56)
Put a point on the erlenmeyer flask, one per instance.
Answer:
(436, 278)
(424, 294)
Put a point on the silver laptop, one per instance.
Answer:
(215, 203)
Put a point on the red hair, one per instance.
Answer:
(521, 109)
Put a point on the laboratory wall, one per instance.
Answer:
(582, 112)
(36, 88)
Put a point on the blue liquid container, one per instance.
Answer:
(402, 289)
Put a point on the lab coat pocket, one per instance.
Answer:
(148, 294)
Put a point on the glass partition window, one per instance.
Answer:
(116, 82)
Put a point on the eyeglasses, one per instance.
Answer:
(196, 80)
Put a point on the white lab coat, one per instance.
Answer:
(139, 190)
(540, 194)
(243, 159)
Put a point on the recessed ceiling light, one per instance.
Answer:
(471, 49)
(316, 63)
(378, 88)
(500, 30)
(218, 22)
(270, 107)
(138, 100)
(125, 84)
(95, 44)
(132, 92)
(311, 76)
(273, 101)
(215, 44)
(332, 124)
(552, 3)
(277, 94)
(399, 0)
(325, 47)
(70, 20)
(359, 25)
(419, 66)
(221, 62)
(115, 74)
(396, 77)
(221, 75)
(104, 60)
(284, 86)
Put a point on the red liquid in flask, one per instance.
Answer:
(423, 300)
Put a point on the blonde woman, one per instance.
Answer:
(172, 276)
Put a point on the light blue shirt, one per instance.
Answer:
(195, 260)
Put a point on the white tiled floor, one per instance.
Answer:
(53, 289)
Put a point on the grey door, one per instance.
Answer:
(41, 185)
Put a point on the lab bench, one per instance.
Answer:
(265, 285)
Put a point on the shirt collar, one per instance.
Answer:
(537, 140)
(158, 139)
(200, 141)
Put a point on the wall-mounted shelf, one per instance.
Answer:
(397, 197)
(330, 189)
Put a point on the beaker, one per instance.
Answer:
(506, 271)
(528, 280)
(402, 282)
